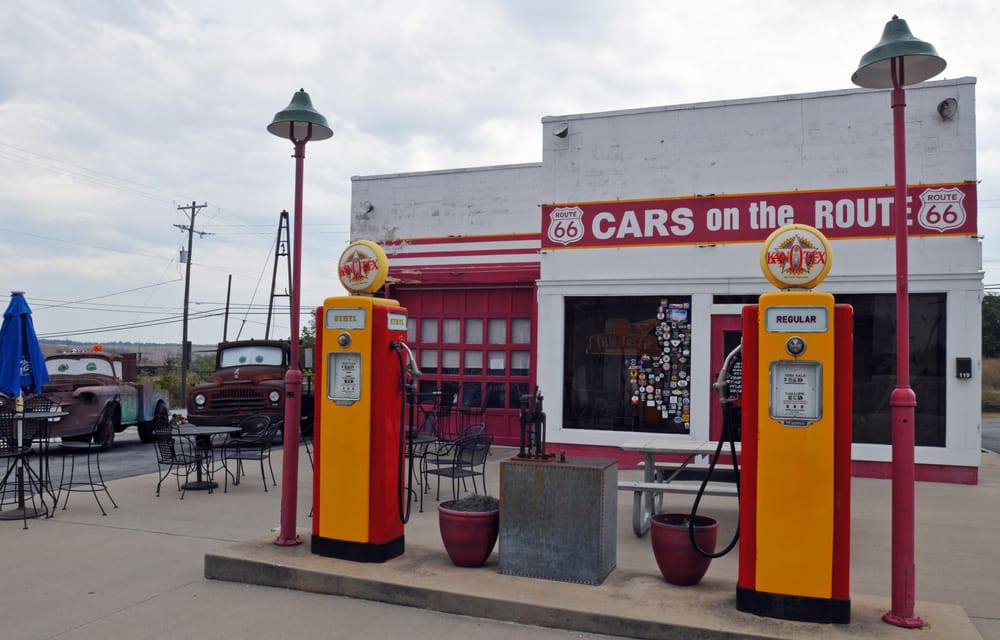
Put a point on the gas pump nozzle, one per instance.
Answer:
(728, 383)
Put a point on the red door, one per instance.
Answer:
(726, 334)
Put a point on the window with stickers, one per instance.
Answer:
(628, 363)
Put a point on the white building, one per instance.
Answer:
(553, 274)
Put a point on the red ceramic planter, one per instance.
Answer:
(468, 536)
(678, 561)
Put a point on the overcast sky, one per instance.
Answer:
(116, 113)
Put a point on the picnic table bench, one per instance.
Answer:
(661, 477)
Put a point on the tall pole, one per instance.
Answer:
(900, 58)
(185, 352)
(903, 401)
(293, 376)
(299, 123)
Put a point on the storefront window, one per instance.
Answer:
(875, 365)
(628, 363)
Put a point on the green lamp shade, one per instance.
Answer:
(293, 121)
(919, 59)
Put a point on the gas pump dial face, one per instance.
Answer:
(795, 346)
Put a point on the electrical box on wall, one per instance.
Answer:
(963, 368)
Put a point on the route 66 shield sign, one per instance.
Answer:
(941, 209)
(565, 225)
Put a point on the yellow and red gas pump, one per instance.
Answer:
(358, 489)
(795, 495)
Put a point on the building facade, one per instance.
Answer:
(611, 275)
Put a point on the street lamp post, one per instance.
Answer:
(300, 123)
(897, 60)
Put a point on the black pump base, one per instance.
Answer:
(786, 607)
(358, 551)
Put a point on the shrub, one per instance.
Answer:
(473, 503)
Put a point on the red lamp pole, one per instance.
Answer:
(900, 58)
(300, 123)
(903, 401)
(293, 376)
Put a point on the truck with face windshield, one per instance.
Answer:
(249, 379)
(100, 393)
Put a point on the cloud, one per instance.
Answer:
(115, 114)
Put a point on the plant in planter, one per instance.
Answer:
(469, 528)
(679, 562)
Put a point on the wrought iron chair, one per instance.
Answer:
(88, 448)
(463, 458)
(175, 455)
(444, 413)
(253, 444)
(36, 430)
(472, 410)
(14, 457)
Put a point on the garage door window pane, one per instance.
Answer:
(428, 360)
(497, 363)
(497, 331)
(520, 331)
(474, 331)
(473, 363)
(451, 330)
(518, 389)
(495, 397)
(429, 330)
(449, 361)
(520, 363)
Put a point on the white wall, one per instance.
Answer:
(828, 140)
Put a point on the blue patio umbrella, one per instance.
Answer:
(22, 368)
(22, 365)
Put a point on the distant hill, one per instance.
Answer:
(150, 353)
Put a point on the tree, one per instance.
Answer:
(991, 325)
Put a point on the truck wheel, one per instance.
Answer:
(105, 435)
(161, 420)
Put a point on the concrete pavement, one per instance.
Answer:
(140, 573)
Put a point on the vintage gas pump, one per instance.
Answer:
(357, 480)
(796, 445)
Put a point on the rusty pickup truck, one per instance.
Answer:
(249, 379)
(99, 388)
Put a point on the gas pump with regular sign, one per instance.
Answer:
(796, 441)
(357, 489)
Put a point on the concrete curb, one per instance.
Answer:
(627, 603)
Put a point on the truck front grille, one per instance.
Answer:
(233, 399)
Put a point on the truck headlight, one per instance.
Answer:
(199, 399)
(274, 396)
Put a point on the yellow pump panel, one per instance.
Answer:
(795, 489)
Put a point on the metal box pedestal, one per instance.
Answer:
(558, 520)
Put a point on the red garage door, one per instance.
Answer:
(475, 348)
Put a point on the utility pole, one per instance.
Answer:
(185, 348)
(280, 249)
